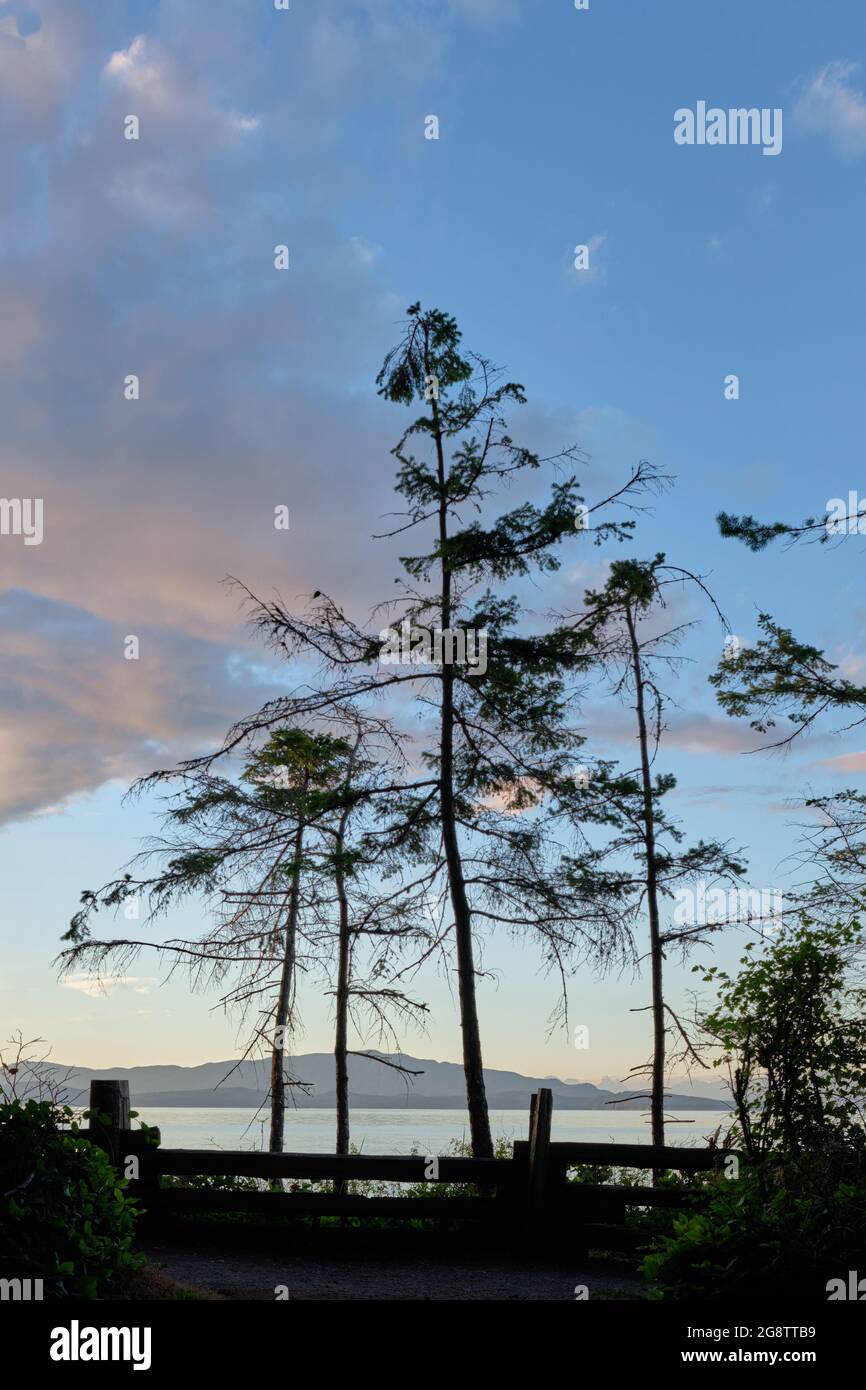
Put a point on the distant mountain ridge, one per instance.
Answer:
(372, 1085)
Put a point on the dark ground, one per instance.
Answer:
(233, 1273)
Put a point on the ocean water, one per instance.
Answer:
(408, 1131)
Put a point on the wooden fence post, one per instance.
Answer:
(540, 1114)
(109, 1116)
(132, 1151)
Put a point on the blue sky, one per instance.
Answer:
(156, 257)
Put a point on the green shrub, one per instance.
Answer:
(214, 1182)
(789, 1032)
(64, 1218)
(780, 1225)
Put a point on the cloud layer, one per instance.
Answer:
(832, 104)
(155, 257)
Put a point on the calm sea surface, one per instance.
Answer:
(408, 1131)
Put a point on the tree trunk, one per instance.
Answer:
(344, 969)
(341, 1049)
(284, 1003)
(656, 957)
(473, 1066)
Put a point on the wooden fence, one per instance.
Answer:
(528, 1192)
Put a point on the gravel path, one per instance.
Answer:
(242, 1275)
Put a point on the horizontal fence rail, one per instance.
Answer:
(302, 1204)
(528, 1192)
(322, 1167)
(567, 1156)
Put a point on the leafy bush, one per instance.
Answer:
(789, 1029)
(215, 1182)
(787, 1225)
(63, 1216)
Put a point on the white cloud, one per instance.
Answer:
(162, 87)
(155, 193)
(27, 20)
(95, 988)
(125, 62)
(831, 105)
(244, 124)
(39, 66)
(851, 665)
(364, 252)
(596, 269)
